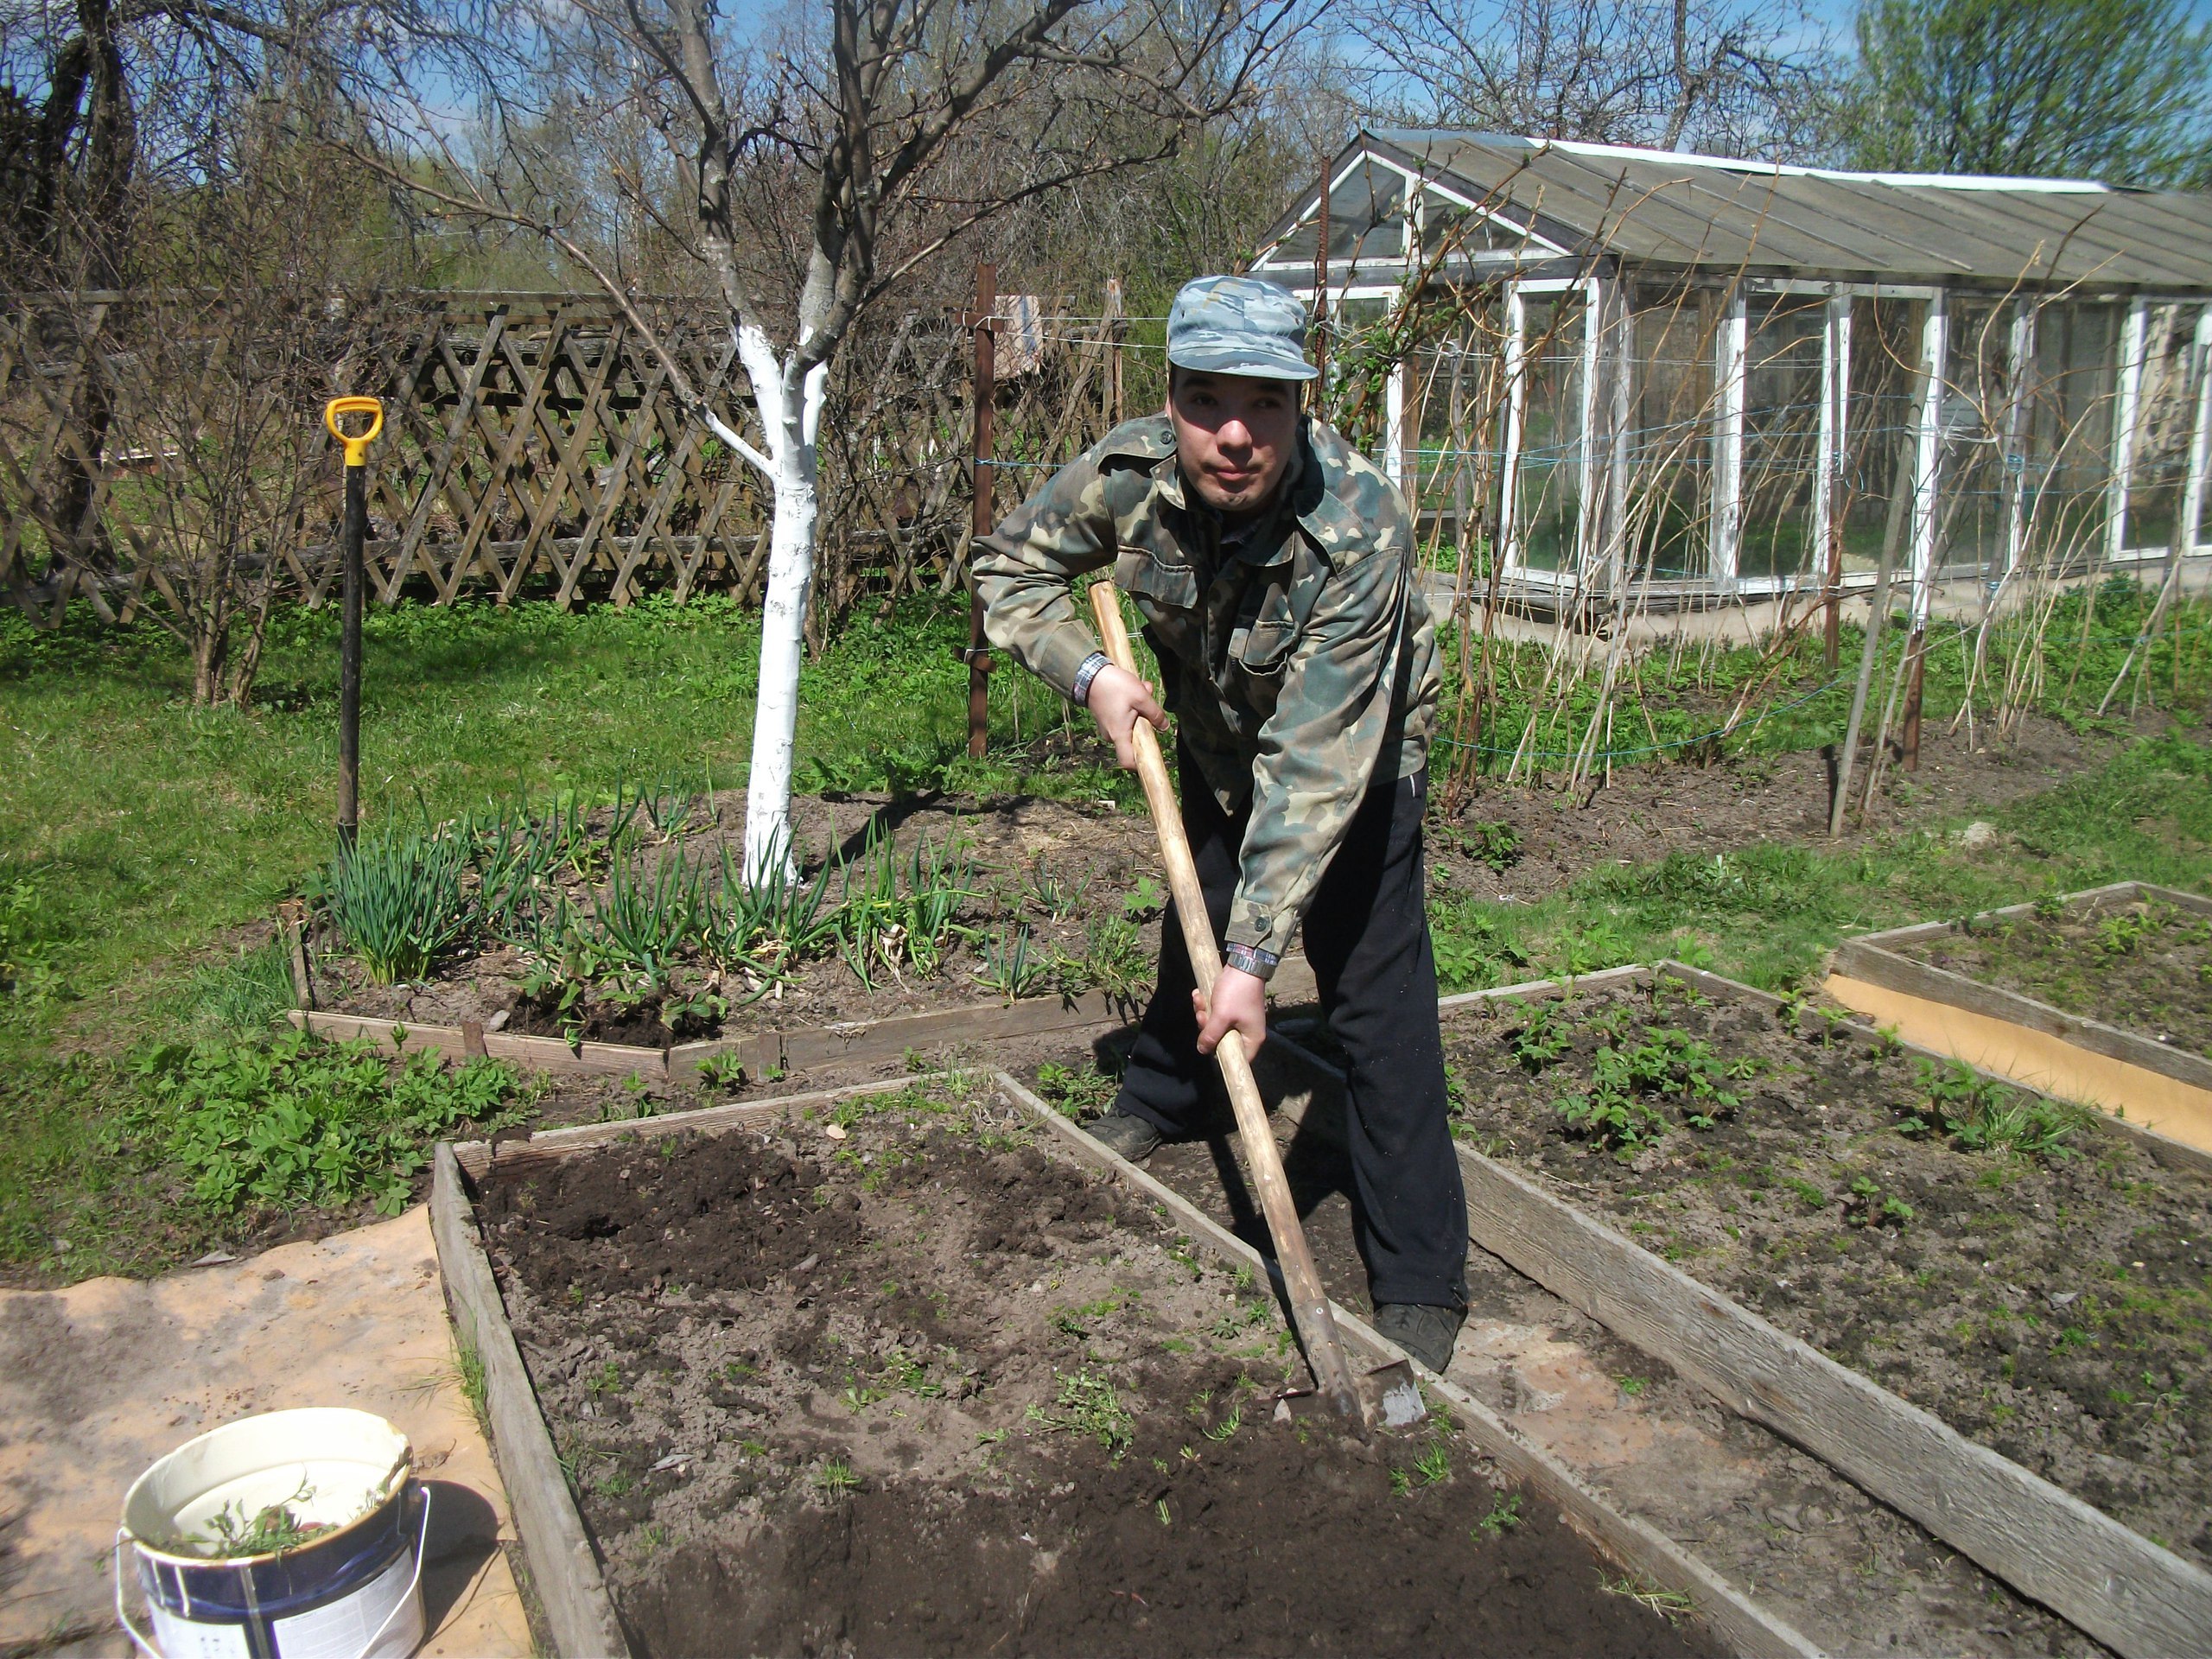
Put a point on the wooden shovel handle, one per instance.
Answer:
(1309, 1304)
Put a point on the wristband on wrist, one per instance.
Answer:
(1250, 959)
(1080, 692)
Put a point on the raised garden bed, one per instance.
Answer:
(1991, 1308)
(2104, 996)
(610, 943)
(900, 1370)
(631, 926)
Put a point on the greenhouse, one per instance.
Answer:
(1680, 380)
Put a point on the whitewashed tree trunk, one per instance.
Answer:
(790, 403)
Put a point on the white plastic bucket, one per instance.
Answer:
(352, 1593)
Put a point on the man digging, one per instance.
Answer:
(1274, 569)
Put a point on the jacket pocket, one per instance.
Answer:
(1260, 643)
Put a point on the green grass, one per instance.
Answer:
(1768, 912)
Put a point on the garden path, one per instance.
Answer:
(100, 1379)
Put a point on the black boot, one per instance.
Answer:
(1135, 1138)
(1428, 1334)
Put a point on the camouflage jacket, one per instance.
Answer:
(1301, 665)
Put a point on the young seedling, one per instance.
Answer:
(1504, 1516)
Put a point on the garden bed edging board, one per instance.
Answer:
(584, 1623)
(2103, 1577)
(767, 1054)
(2027, 1040)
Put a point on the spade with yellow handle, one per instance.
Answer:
(337, 414)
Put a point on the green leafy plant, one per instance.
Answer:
(1086, 1404)
(1056, 893)
(1074, 1092)
(1542, 1036)
(1504, 1516)
(296, 1120)
(835, 1478)
(398, 901)
(1010, 966)
(27, 945)
(1980, 1114)
(1145, 900)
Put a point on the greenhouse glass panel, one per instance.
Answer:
(1455, 392)
(1668, 530)
(1548, 496)
(1874, 484)
(2165, 413)
(1782, 438)
(2067, 430)
(1973, 492)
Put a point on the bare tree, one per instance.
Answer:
(810, 169)
(1736, 77)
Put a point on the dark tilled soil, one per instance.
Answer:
(930, 1389)
(2143, 966)
(2056, 1307)
(1060, 869)
(1855, 1576)
(1647, 811)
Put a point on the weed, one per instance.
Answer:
(1086, 1404)
(1056, 892)
(605, 1380)
(1078, 1093)
(1434, 1466)
(1504, 1516)
(1160, 1509)
(468, 1368)
(1980, 1114)
(1542, 1037)
(1228, 1426)
(724, 1070)
(1144, 901)
(1114, 959)
(1669, 1604)
(1633, 1387)
(836, 1478)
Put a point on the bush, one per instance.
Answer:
(297, 1121)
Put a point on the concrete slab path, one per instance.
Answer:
(100, 1379)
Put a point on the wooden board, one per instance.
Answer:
(2109, 1580)
(1726, 1610)
(564, 1570)
(509, 1159)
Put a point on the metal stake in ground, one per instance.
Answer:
(1309, 1303)
(349, 645)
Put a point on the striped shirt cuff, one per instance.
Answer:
(1080, 693)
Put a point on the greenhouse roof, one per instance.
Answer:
(1668, 208)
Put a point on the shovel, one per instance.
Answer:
(1389, 1392)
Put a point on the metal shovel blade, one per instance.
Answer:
(1388, 1398)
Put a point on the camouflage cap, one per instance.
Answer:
(1238, 324)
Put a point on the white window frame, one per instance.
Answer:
(1517, 320)
(1732, 349)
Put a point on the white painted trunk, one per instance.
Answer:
(792, 457)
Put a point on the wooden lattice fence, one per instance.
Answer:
(532, 446)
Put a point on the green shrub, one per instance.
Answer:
(397, 898)
(297, 1121)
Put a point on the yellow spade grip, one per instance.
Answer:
(357, 448)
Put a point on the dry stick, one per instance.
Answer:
(1309, 1303)
(1877, 618)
